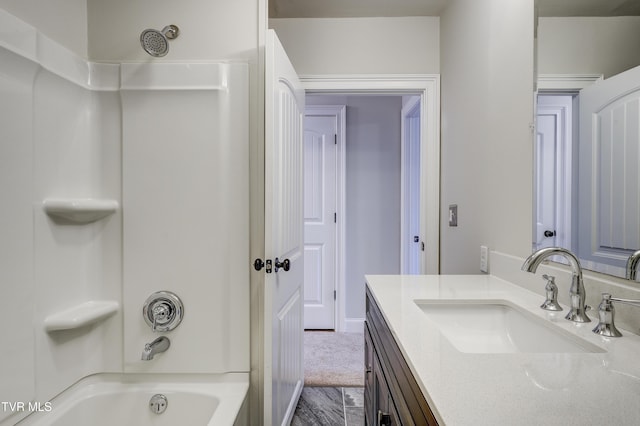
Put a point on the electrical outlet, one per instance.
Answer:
(484, 258)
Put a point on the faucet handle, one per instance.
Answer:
(606, 314)
(551, 302)
(163, 311)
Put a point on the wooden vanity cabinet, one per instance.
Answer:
(391, 394)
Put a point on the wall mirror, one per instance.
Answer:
(587, 147)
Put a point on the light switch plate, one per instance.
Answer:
(453, 215)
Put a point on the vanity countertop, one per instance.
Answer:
(508, 388)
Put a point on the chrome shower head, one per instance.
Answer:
(156, 43)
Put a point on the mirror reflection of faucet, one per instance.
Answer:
(632, 266)
(577, 293)
(161, 344)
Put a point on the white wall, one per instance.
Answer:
(16, 229)
(64, 21)
(487, 149)
(186, 219)
(209, 30)
(372, 191)
(61, 141)
(588, 45)
(487, 109)
(408, 45)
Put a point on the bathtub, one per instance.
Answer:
(124, 399)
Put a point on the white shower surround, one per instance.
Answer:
(68, 134)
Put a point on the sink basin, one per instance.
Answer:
(498, 326)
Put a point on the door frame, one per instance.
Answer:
(340, 112)
(427, 86)
(558, 84)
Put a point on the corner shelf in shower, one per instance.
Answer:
(84, 314)
(80, 210)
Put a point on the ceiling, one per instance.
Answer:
(394, 8)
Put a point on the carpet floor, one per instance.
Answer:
(333, 359)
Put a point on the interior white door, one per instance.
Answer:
(284, 243)
(412, 241)
(553, 171)
(545, 172)
(609, 164)
(320, 164)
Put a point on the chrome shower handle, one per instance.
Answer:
(163, 311)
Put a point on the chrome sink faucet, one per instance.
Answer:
(606, 314)
(161, 344)
(632, 265)
(577, 293)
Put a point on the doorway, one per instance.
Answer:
(426, 88)
(349, 305)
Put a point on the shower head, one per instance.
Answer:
(156, 43)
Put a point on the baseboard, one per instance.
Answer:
(353, 325)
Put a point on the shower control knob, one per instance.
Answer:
(285, 264)
(163, 311)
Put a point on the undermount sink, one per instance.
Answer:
(498, 326)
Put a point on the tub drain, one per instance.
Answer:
(158, 403)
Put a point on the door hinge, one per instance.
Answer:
(335, 218)
(334, 295)
(335, 139)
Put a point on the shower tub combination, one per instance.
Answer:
(148, 400)
(171, 141)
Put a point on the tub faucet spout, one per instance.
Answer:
(632, 265)
(161, 344)
(577, 293)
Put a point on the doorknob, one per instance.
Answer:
(285, 264)
(258, 264)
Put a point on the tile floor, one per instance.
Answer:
(330, 406)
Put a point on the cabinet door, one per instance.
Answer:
(369, 409)
(385, 410)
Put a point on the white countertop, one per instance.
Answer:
(509, 388)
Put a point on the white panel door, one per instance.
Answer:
(320, 162)
(283, 322)
(553, 171)
(412, 240)
(609, 190)
(545, 171)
